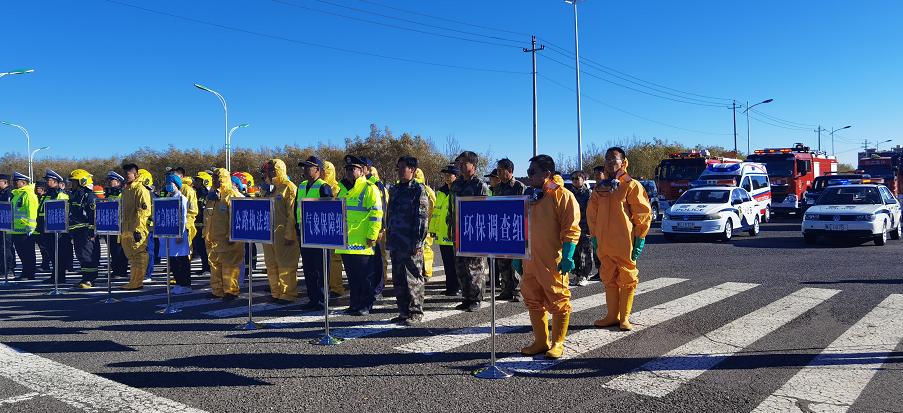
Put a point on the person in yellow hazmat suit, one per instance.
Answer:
(554, 231)
(619, 217)
(135, 211)
(281, 257)
(336, 288)
(225, 256)
(428, 255)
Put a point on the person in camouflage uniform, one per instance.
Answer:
(507, 186)
(408, 217)
(472, 271)
(583, 256)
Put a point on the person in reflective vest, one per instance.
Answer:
(439, 230)
(225, 256)
(313, 186)
(25, 215)
(135, 211)
(82, 200)
(281, 257)
(364, 216)
(428, 255)
(55, 192)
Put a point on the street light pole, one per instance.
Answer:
(878, 143)
(746, 111)
(16, 72)
(27, 142)
(226, 123)
(31, 157)
(577, 64)
(832, 137)
(229, 141)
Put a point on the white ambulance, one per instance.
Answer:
(751, 176)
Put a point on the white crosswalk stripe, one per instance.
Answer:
(667, 373)
(835, 378)
(464, 336)
(585, 341)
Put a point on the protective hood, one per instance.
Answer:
(418, 176)
(187, 181)
(279, 170)
(329, 176)
(375, 173)
(225, 184)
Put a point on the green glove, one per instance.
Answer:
(638, 244)
(567, 257)
(595, 244)
(518, 266)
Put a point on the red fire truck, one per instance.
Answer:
(885, 166)
(791, 171)
(673, 175)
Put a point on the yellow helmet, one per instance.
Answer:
(83, 177)
(145, 177)
(205, 178)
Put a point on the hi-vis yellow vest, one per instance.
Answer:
(363, 206)
(303, 192)
(438, 222)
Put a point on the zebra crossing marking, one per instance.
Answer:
(666, 374)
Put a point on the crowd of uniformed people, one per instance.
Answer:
(397, 222)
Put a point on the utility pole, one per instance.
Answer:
(818, 131)
(734, 109)
(533, 51)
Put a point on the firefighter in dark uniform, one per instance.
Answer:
(81, 225)
(507, 186)
(119, 264)
(202, 182)
(55, 192)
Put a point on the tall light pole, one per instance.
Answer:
(16, 72)
(31, 159)
(746, 111)
(229, 143)
(27, 142)
(832, 137)
(878, 143)
(226, 123)
(577, 64)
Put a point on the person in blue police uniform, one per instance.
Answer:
(408, 216)
(6, 242)
(54, 192)
(81, 225)
(313, 186)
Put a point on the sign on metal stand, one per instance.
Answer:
(106, 222)
(323, 226)
(169, 222)
(250, 220)
(492, 227)
(56, 221)
(6, 225)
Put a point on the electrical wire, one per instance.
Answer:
(416, 13)
(311, 44)
(779, 120)
(777, 125)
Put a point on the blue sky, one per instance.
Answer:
(111, 78)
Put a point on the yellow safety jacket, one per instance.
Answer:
(25, 210)
(438, 221)
(136, 209)
(192, 197)
(304, 193)
(364, 211)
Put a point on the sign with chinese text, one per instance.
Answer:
(169, 221)
(250, 220)
(6, 216)
(323, 223)
(492, 227)
(106, 217)
(56, 215)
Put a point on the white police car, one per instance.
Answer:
(719, 210)
(864, 211)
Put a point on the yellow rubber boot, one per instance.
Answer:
(625, 305)
(540, 322)
(559, 331)
(611, 303)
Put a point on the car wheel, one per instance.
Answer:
(897, 232)
(754, 230)
(767, 218)
(654, 213)
(809, 239)
(728, 231)
(670, 237)
(881, 238)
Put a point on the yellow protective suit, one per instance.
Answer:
(335, 260)
(282, 255)
(192, 196)
(225, 256)
(615, 218)
(135, 213)
(428, 255)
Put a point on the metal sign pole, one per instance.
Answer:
(169, 309)
(56, 265)
(326, 339)
(110, 299)
(5, 263)
(250, 325)
(492, 371)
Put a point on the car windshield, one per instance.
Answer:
(823, 182)
(778, 165)
(680, 169)
(850, 196)
(705, 196)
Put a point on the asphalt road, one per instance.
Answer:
(763, 323)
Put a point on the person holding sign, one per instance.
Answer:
(363, 203)
(225, 256)
(471, 271)
(555, 225)
(133, 229)
(81, 225)
(313, 186)
(408, 217)
(179, 249)
(25, 216)
(619, 217)
(281, 257)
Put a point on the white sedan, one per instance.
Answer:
(712, 210)
(865, 211)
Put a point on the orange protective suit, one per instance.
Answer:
(282, 255)
(225, 256)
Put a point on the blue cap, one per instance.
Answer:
(354, 160)
(312, 161)
(116, 176)
(172, 181)
(451, 169)
(51, 174)
(238, 184)
(367, 161)
(19, 176)
(4, 177)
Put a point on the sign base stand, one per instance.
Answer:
(491, 372)
(249, 325)
(326, 339)
(168, 310)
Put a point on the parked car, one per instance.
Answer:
(713, 210)
(863, 211)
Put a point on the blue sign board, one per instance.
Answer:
(169, 221)
(323, 223)
(250, 220)
(492, 227)
(6, 216)
(56, 215)
(106, 217)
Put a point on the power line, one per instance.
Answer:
(550, 80)
(777, 125)
(784, 121)
(416, 13)
(311, 44)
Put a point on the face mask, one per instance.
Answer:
(611, 184)
(534, 194)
